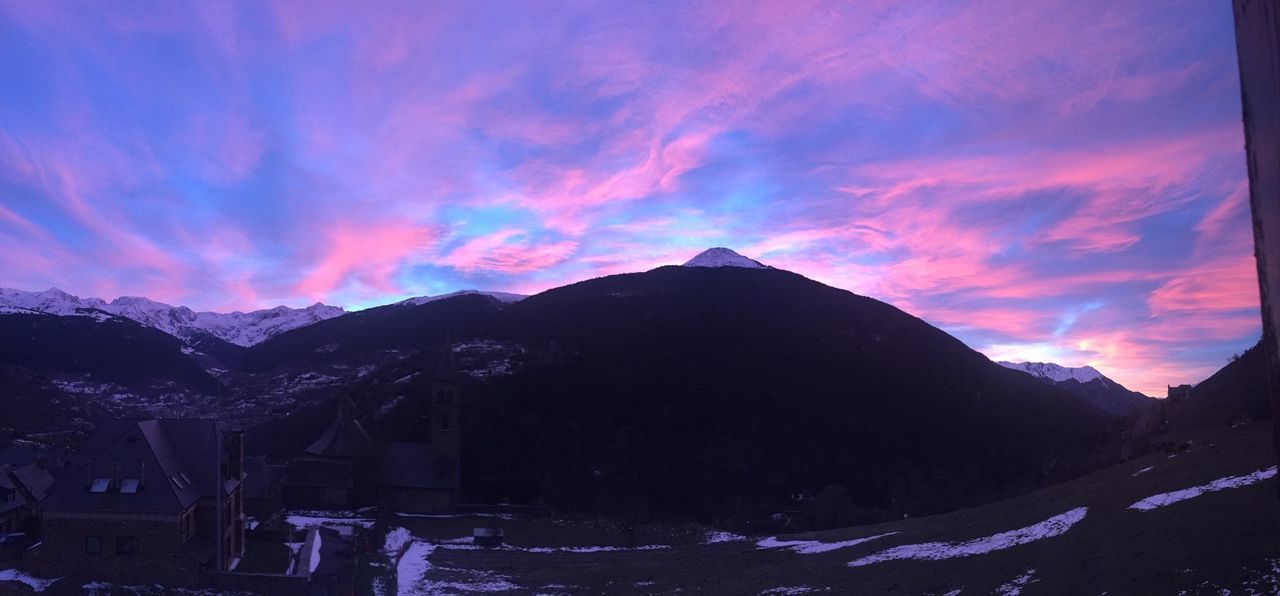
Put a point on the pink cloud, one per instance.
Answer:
(368, 256)
(507, 251)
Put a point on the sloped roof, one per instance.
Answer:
(345, 438)
(35, 479)
(414, 465)
(177, 461)
(6, 484)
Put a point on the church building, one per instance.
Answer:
(345, 468)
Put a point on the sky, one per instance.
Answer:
(1049, 181)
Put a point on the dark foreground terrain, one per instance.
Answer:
(1222, 540)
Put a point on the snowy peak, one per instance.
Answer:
(239, 328)
(723, 257)
(1055, 372)
(504, 297)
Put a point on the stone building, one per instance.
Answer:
(344, 467)
(1179, 393)
(153, 501)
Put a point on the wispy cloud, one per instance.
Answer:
(1044, 179)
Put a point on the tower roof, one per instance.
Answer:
(345, 437)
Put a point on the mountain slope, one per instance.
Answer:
(242, 329)
(699, 387)
(1087, 384)
(107, 349)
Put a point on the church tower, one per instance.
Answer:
(446, 431)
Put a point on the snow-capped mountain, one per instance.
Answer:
(504, 297)
(1054, 372)
(1086, 383)
(723, 257)
(240, 328)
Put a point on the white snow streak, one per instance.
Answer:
(1015, 586)
(37, 584)
(934, 551)
(411, 572)
(315, 552)
(1163, 499)
(813, 547)
(718, 537)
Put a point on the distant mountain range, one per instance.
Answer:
(1086, 383)
(239, 328)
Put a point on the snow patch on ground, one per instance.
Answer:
(813, 547)
(1015, 585)
(934, 551)
(411, 571)
(36, 584)
(343, 524)
(1163, 499)
(396, 540)
(315, 553)
(1144, 470)
(790, 590)
(718, 537)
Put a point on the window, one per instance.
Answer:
(125, 545)
(444, 397)
(92, 545)
(99, 485)
(130, 485)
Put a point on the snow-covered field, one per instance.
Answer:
(812, 547)
(1169, 498)
(933, 551)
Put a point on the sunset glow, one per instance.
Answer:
(1061, 183)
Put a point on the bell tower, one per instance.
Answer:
(446, 431)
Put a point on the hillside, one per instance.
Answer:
(717, 392)
(104, 349)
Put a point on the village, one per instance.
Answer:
(176, 502)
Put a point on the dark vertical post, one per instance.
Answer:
(1258, 51)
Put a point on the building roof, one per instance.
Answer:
(345, 438)
(174, 463)
(34, 478)
(7, 485)
(414, 465)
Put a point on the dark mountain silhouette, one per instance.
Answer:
(106, 349)
(31, 403)
(405, 327)
(1237, 392)
(719, 392)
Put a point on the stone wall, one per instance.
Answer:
(156, 556)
